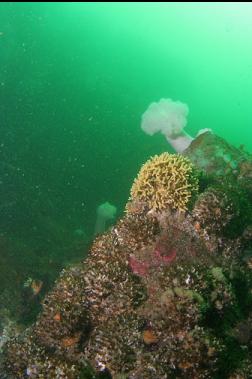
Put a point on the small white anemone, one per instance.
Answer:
(105, 212)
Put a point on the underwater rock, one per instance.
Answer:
(166, 293)
(217, 158)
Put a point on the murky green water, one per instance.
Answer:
(74, 82)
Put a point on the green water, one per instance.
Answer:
(74, 81)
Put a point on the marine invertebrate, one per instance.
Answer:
(135, 321)
(165, 181)
(151, 300)
(35, 361)
(213, 210)
(221, 213)
(105, 212)
(168, 117)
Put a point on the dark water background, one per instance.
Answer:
(74, 81)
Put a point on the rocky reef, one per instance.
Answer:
(167, 292)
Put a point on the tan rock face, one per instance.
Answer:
(164, 294)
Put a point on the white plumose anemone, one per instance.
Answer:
(169, 118)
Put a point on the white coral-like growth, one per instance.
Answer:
(168, 117)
